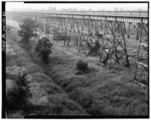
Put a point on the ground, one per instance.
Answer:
(57, 91)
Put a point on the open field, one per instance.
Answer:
(58, 91)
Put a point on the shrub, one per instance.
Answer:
(81, 66)
(28, 30)
(43, 47)
(18, 95)
(45, 53)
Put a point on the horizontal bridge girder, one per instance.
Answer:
(123, 13)
(120, 18)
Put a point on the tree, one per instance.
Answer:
(43, 48)
(28, 30)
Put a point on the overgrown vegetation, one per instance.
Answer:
(81, 67)
(17, 93)
(43, 48)
(28, 30)
(97, 93)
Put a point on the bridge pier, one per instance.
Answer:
(142, 68)
(115, 42)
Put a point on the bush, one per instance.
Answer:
(43, 47)
(81, 66)
(17, 96)
(45, 53)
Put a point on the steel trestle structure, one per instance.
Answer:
(110, 29)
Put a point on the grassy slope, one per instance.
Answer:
(103, 88)
(47, 97)
(101, 91)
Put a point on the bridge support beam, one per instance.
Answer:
(142, 68)
(114, 44)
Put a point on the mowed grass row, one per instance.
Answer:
(48, 99)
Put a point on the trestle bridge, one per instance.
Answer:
(111, 28)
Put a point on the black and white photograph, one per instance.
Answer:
(75, 59)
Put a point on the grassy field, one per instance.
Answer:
(57, 91)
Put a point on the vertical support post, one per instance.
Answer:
(136, 67)
(128, 32)
(137, 31)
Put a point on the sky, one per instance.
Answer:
(79, 6)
